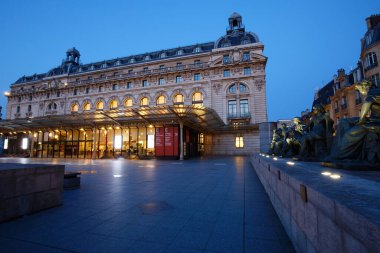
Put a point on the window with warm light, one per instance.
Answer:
(197, 98)
(160, 100)
(239, 142)
(87, 106)
(144, 101)
(178, 99)
(113, 104)
(100, 105)
(74, 108)
(128, 102)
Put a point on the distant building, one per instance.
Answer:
(180, 102)
(339, 97)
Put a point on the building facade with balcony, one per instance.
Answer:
(370, 50)
(176, 103)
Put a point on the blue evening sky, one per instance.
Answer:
(305, 41)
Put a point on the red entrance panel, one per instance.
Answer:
(160, 142)
(175, 148)
(169, 141)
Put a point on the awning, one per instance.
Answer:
(198, 117)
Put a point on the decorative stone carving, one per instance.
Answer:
(217, 87)
(259, 84)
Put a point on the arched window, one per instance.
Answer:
(74, 107)
(86, 106)
(128, 102)
(243, 87)
(178, 99)
(232, 89)
(113, 104)
(197, 98)
(160, 100)
(144, 101)
(100, 105)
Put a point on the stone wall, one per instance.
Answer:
(28, 188)
(224, 144)
(321, 214)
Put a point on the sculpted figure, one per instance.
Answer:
(277, 142)
(316, 141)
(359, 139)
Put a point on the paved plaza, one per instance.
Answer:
(200, 205)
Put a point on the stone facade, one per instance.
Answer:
(227, 76)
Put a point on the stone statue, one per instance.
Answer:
(358, 139)
(316, 142)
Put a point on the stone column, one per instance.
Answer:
(94, 140)
(181, 140)
(32, 145)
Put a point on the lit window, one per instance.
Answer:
(74, 108)
(160, 100)
(178, 79)
(5, 143)
(232, 88)
(197, 98)
(226, 73)
(100, 105)
(113, 104)
(87, 106)
(144, 101)
(24, 144)
(161, 81)
(197, 77)
(247, 71)
(178, 99)
(239, 142)
(128, 102)
(145, 83)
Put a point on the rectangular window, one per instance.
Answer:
(18, 109)
(239, 142)
(129, 85)
(58, 94)
(29, 108)
(161, 81)
(244, 110)
(162, 67)
(145, 69)
(30, 98)
(197, 63)
(375, 79)
(179, 65)
(226, 73)
(226, 59)
(247, 71)
(100, 88)
(87, 90)
(178, 79)
(232, 108)
(75, 92)
(6, 144)
(24, 144)
(246, 56)
(19, 99)
(48, 95)
(115, 86)
(145, 83)
(130, 71)
(197, 77)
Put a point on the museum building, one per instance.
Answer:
(207, 98)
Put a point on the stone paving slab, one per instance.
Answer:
(201, 205)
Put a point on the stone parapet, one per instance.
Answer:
(320, 213)
(28, 188)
